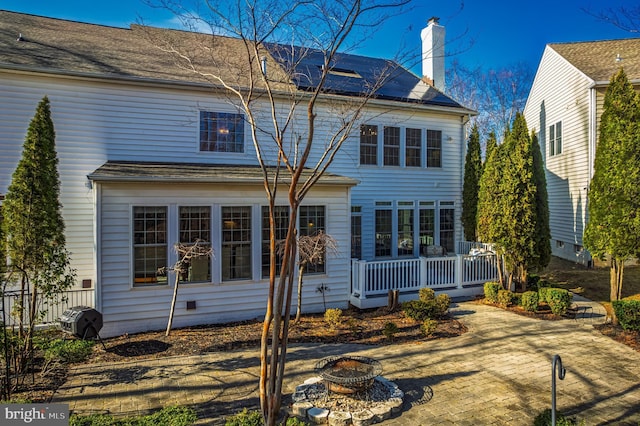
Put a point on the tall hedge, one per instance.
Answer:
(472, 174)
(614, 191)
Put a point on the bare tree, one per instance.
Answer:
(625, 18)
(497, 95)
(283, 91)
(186, 254)
(312, 250)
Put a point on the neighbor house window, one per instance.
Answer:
(368, 144)
(405, 228)
(413, 148)
(391, 146)
(281, 216)
(149, 245)
(384, 229)
(447, 228)
(356, 232)
(434, 148)
(312, 221)
(426, 223)
(221, 132)
(236, 243)
(555, 139)
(195, 226)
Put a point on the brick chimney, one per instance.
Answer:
(433, 53)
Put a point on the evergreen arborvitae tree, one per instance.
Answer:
(472, 174)
(543, 232)
(490, 218)
(32, 223)
(614, 193)
(492, 143)
(519, 194)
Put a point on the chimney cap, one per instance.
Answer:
(434, 20)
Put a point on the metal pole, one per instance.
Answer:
(561, 372)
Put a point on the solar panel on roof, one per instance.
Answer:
(355, 75)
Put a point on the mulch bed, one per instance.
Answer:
(357, 326)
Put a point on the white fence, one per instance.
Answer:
(459, 275)
(77, 297)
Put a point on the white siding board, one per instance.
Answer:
(564, 93)
(98, 121)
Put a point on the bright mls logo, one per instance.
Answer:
(37, 414)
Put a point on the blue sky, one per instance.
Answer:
(488, 33)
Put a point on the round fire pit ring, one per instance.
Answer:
(348, 374)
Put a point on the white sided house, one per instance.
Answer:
(151, 156)
(564, 108)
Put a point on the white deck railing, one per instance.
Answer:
(370, 279)
(76, 297)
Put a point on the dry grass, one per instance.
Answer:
(592, 283)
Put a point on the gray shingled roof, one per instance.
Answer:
(141, 53)
(597, 59)
(136, 171)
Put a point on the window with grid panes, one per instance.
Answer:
(391, 146)
(281, 216)
(312, 221)
(434, 148)
(384, 228)
(426, 223)
(221, 132)
(405, 231)
(149, 245)
(356, 232)
(413, 148)
(447, 229)
(368, 144)
(236, 243)
(195, 226)
(555, 139)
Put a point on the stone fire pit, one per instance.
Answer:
(347, 391)
(348, 374)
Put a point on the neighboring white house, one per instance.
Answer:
(142, 168)
(564, 108)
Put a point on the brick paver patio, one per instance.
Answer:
(499, 373)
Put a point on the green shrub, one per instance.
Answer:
(427, 294)
(532, 282)
(505, 298)
(245, 418)
(516, 299)
(428, 307)
(390, 329)
(558, 300)
(544, 419)
(443, 301)
(628, 313)
(491, 289)
(68, 351)
(333, 317)
(529, 301)
(428, 327)
(174, 416)
(294, 421)
(542, 294)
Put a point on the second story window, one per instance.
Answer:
(221, 132)
(434, 148)
(413, 147)
(368, 144)
(392, 146)
(555, 139)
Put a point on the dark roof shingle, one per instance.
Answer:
(139, 171)
(144, 53)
